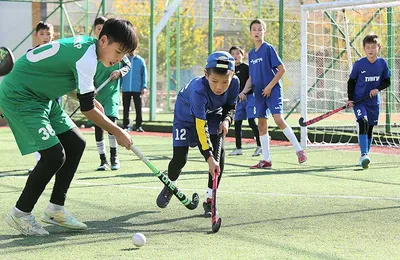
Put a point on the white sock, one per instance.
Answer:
(292, 138)
(175, 182)
(264, 140)
(208, 194)
(113, 141)
(101, 147)
(37, 156)
(54, 207)
(18, 213)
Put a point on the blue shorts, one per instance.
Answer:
(184, 133)
(274, 103)
(245, 109)
(370, 112)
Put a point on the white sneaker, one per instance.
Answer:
(257, 152)
(236, 151)
(27, 225)
(63, 219)
(364, 161)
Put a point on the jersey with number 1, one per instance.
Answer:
(53, 70)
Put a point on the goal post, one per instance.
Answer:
(331, 41)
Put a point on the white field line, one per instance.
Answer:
(269, 194)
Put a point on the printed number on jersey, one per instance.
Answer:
(43, 52)
(47, 132)
(180, 134)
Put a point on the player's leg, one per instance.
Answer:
(261, 113)
(363, 125)
(275, 105)
(101, 148)
(115, 165)
(33, 132)
(251, 113)
(137, 100)
(240, 115)
(126, 103)
(207, 201)
(373, 118)
(182, 136)
(74, 144)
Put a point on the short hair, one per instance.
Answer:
(43, 26)
(100, 20)
(372, 38)
(258, 21)
(219, 71)
(122, 32)
(237, 48)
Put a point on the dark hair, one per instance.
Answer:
(43, 26)
(234, 47)
(219, 71)
(258, 21)
(372, 38)
(122, 32)
(100, 20)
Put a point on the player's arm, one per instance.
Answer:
(277, 77)
(84, 74)
(247, 87)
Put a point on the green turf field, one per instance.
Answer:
(326, 209)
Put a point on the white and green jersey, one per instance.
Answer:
(53, 70)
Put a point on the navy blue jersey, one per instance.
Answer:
(263, 65)
(369, 76)
(196, 99)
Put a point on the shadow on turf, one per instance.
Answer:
(116, 225)
(11, 173)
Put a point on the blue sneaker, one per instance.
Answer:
(364, 161)
(164, 197)
(115, 165)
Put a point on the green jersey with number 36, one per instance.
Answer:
(53, 70)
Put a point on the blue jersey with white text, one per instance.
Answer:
(196, 99)
(263, 65)
(369, 76)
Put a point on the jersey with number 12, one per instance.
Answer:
(53, 70)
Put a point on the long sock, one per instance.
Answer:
(370, 140)
(101, 146)
(113, 145)
(238, 133)
(292, 138)
(264, 139)
(363, 141)
(254, 127)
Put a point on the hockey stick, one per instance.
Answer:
(190, 204)
(95, 92)
(327, 114)
(6, 61)
(215, 219)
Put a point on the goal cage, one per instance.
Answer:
(331, 41)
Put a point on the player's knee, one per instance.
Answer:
(54, 157)
(363, 126)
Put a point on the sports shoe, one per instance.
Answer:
(115, 165)
(236, 151)
(63, 219)
(364, 161)
(139, 129)
(262, 165)
(164, 197)
(257, 152)
(207, 208)
(301, 156)
(103, 165)
(27, 225)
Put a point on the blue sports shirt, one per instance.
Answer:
(263, 65)
(369, 76)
